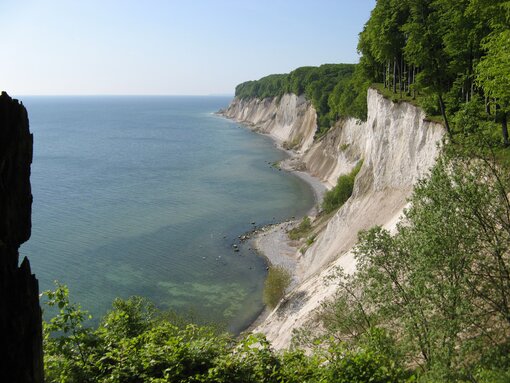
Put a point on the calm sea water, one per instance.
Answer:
(146, 195)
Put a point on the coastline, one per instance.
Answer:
(399, 146)
(271, 241)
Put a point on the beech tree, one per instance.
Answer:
(493, 75)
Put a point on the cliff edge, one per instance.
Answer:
(398, 146)
(20, 313)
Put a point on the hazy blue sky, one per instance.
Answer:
(168, 47)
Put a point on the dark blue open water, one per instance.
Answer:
(145, 196)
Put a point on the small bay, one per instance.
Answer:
(145, 195)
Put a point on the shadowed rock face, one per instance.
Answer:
(20, 314)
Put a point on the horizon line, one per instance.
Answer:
(121, 95)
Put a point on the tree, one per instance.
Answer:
(441, 285)
(425, 49)
(493, 75)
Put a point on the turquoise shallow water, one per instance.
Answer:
(146, 195)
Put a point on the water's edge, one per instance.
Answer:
(258, 237)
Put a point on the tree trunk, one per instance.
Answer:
(504, 129)
(414, 82)
(388, 74)
(400, 74)
(409, 72)
(443, 113)
(394, 75)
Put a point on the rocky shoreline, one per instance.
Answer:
(272, 241)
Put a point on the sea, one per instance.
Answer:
(146, 196)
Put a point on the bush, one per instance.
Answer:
(300, 231)
(278, 279)
(337, 196)
(363, 366)
(135, 343)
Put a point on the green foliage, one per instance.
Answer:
(275, 85)
(363, 366)
(129, 318)
(447, 51)
(132, 344)
(336, 197)
(301, 230)
(277, 281)
(135, 343)
(494, 68)
(66, 341)
(440, 285)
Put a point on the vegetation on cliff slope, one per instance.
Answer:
(277, 281)
(337, 196)
(439, 287)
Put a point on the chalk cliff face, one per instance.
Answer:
(290, 120)
(397, 145)
(20, 314)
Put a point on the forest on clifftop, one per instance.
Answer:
(450, 57)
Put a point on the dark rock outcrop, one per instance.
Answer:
(20, 314)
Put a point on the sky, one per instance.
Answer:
(168, 47)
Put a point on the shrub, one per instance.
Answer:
(301, 230)
(135, 343)
(362, 366)
(278, 279)
(336, 197)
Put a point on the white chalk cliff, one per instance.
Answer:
(397, 144)
(290, 120)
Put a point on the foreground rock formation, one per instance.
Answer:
(20, 314)
(397, 144)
